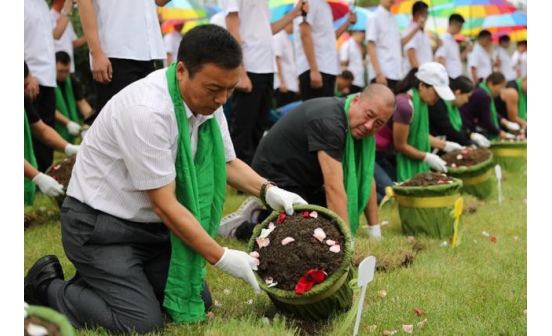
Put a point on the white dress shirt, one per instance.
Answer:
(519, 61)
(320, 20)
(450, 50)
(255, 33)
(65, 42)
(506, 66)
(129, 29)
(283, 48)
(481, 61)
(172, 43)
(350, 51)
(420, 43)
(132, 148)
(383, 30)
(39, 42)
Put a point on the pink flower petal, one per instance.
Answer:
(389, 333)
(330, 242)
(485, 233)
(408, 328)
(384, 223)
(410, 239)
(263, 242)
(335, 248)
(319, 234)
(271, 226)
(516, 238)
(422, 323)
(287, 240)
(272, 284)
(305, 214)
(210, 315)
(254, 254)
(217, 304)
(269, 280)
(314, 214)
(382, 293)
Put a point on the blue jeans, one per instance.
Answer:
(382, 181)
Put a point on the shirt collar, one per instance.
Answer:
(199, 117)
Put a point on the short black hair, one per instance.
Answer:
(523, 42)
(504, 38)
(456, 18)
(462, 83)
(484, 33)
(418, 7)
(346, 74)
(408, 82)
(209, 44)
(63, 58)
(26, 71)
(496, 78)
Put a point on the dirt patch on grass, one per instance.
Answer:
(389, 257)
(427, 179)
(466, 157)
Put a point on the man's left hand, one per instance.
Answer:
(280, 199)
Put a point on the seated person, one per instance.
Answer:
(445, 119)
(512, 102)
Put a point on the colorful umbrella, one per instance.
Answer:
(363, 15)
(182, 9)
(168, 25)
(279, 8)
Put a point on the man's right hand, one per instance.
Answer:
(381, 79)
(32, 90)
(283, 88)
(244, 83)
(316, 79)
(101, 68)
(240, 265)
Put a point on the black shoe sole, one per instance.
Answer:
(34, 272)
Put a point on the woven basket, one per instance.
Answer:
(332, 295)
(428, 210)
(476, 180)
(52, 316)
(511, 156)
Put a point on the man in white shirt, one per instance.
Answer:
(418, 50)
(519, 59)
(502, 60)
(448, 53)
(124, 38)
(69, 39)
(384, 46)
(40, 30)
(286, 85)
(249, 22)
(139, 198)
(316, 49)
(172, 42)
(480, 65)
(351, 56)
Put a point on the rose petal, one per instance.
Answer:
(485, 233)
(418, 311)
(516, 238)
(459, 157)
(305, 214)
(271, 225)
(408, 328)
(272, 284)
(389, 333)
(453, 165)
(422, 323)
(265, 232)
(218, 304)
(382, 293)
(493, 239)
(250, 301)
(384, 223)
(330, 242)
(36, 330)
(319, 234)
(281, 217)
(262, 242)
(226, 291)
(335, 248)
(254, 254)
(287, 240)
(464, 152)
(444, 244)
(314, 214)
(410, 239)
(269, 280)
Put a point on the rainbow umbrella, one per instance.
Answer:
(182, 9)
(497, 24)
(168, 25)
(279, 8)
(363, 15)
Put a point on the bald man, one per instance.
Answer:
(305, 152)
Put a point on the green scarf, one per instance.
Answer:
(522, 105)
(30, 187)
(358, 170)
(67, 108)
(494, 116)
(201, 188)
(454, 115)
(418, 137)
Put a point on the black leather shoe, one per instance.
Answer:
(39, 277)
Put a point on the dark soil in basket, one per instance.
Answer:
(466, 157)
(427, 179)
(53, 329)
(61, 172)
(287, 264)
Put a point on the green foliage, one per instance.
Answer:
(479, 288)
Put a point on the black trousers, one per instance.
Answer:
(125, 72)
(282, 98)
(122, 270)
(391, 83)
(45, 106)
(250, 115)
(307, 92)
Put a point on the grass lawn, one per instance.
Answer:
(479, 288)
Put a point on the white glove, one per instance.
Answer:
(451, 146)
(73, 128)
(48, 185)
(435, 162)
(509, 135)
(71, 149)
(480, 140)
(240, 265)
(280, 199)
(512, 126)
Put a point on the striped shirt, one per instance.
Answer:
(132, 147)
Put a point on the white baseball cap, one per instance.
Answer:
(435, 74)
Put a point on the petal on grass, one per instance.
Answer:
(408, 328)
(422, 323)
(382, 293)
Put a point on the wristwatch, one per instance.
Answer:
(262, 192)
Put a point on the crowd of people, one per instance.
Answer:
(145, 199)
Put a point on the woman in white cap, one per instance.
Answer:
(422, 86)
